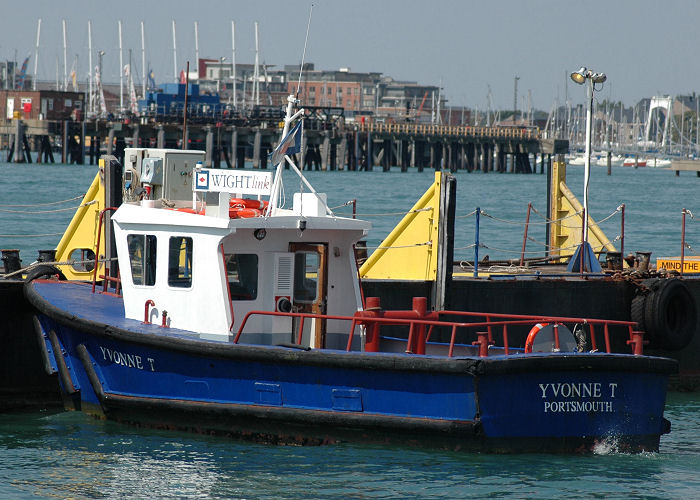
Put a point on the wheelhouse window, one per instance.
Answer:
(242, 275)
(306, 265)
(142, 256)
(180, 262)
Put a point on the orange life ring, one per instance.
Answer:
(248, 203)
(244, 213)
(531, 336)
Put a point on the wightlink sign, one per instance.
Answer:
(233, 181)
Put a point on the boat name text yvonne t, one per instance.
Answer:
(127, 360)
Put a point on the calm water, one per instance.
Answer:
(72, 455)
(654, 199)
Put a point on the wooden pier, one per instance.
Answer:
(329, 143)
(686, 165)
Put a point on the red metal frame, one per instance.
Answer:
(684, 211)
(527, 224)
(97, 249)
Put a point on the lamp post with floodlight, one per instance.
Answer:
(586, 76)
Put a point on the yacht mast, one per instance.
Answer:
(174, 54)
(36, 52)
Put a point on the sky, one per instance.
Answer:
(646, 47)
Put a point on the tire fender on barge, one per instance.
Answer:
(666, 311)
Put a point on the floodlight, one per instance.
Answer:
(580, 75)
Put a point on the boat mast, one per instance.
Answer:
(91, 95)
(489, 96)
(256, 72)
(36, 52)
(143, 60)
(65, 59)
(233, 62)
(196, 47)
(439, 99)
(288, 117)
(121, 70)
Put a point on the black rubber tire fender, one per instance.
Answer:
(639, 301)
(44, 271)
(637, 311)
(670, 314)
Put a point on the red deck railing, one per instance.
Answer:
(421, 325)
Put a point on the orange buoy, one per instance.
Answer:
(531, 336)
(248, 203)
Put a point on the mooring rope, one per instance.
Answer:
(465, 248)
(427, 243)
(556, 221)
(48, 211)
(689, 247)
(503, 250)
(427, 209)
(549, 221)
(30, 235)
(470, 214)
(350, 202)
(44, 204)
(486, 214)
(57, 263)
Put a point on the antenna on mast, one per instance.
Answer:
(303, 56)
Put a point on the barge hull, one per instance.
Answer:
(24, 382)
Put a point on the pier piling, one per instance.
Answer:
(326, 145)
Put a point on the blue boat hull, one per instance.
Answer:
(147, 375)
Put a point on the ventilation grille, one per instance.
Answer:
(284, 274)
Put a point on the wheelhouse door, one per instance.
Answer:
(310, 290)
